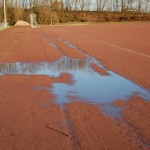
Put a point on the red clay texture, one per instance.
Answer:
(31, 119)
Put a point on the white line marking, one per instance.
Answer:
(124, 48)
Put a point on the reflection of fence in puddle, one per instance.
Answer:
(68, 64)
(65, 64)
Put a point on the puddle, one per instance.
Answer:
(112, 110)
(88, 85)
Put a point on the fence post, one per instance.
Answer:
(5, 15)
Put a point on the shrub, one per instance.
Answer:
(66, 17)
(45, 14)
(26, 15)
(11, 16)
(1, 15)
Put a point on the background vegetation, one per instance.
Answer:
(62, 11)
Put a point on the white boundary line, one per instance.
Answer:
(110, 44)
(125, 49)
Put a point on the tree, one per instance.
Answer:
(147, 6)
(101, 4)
(139, 5)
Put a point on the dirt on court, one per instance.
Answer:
(31, 119)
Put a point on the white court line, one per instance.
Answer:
(125, 49)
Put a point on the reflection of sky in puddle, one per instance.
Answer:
(92, 87)
(88, 85)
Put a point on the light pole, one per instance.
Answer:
(5, 16)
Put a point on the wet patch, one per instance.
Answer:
(89, 85)
(71, 45)
(112, 110)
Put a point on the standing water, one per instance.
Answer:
(88, 85)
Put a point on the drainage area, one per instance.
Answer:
(88, 85)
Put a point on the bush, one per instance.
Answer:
(45, 14)
(26, 15)
(1, 15)
(14, 14)
(11, 16)
(66, 17)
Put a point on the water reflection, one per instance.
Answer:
(65, 64)
(89, 85)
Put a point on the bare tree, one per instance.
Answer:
(81, 4)
(147, 6)
(67, 4)
(87, 4)
(84, 5)
(101, 4)
(1, 4)
(114, 4)
(24, 3)
(139, 5)
(76, 4)
(130, 4)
